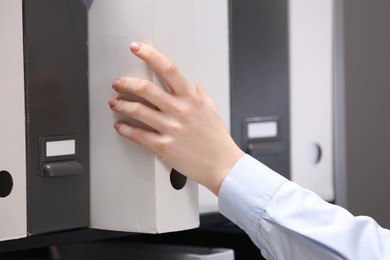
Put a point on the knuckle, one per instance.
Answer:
(134, 134)
(175, 128)
(183, 115)
(197, 100)
(135, 109)
(142, 87)
(169, 68)
(181, 109)
(163, 146)
(200, 103)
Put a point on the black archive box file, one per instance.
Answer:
(56, 97)
(46, 47)
(259, 75)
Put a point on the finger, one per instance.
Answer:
(142, 137)
(163, 67)
(138, 111)
(144, 89)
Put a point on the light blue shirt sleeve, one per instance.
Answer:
(287, 221)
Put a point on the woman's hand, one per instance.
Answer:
(189, 133)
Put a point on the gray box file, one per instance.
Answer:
(260, 78)
(282, 91)
(56, 97)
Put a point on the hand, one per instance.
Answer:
(187, 131)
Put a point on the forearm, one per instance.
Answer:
(287, 221)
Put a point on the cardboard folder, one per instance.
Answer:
(44, 191)
(312, 96)
(13, 223)
(131, 188)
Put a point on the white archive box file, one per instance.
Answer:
(13, 222)
(212, 69)
(311, 95)
(130, 187)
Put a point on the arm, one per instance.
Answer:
(289, 222)
(283, 219)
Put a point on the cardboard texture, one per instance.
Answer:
(130, 187)
(13, 223)
(311, 95)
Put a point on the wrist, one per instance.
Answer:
(218, 178)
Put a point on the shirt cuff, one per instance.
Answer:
(246, 192)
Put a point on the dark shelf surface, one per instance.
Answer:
(215, 231)
(87, 234)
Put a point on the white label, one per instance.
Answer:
(60, 148)
(263, 129)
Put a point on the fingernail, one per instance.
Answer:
(117, 125)
(113, 101)
(135, 46)
(115, 84)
